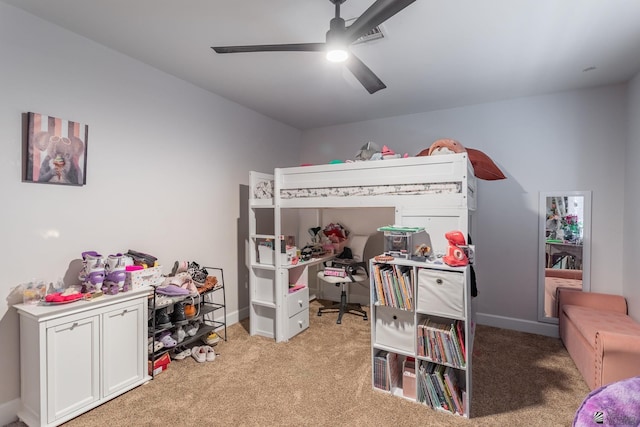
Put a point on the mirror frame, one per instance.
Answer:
(586, 245)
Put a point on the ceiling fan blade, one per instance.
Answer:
(296, 47)
(377, 13)
(369, 80)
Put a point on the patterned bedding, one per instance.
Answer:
(264, 190)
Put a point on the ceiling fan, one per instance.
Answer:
(338, 39)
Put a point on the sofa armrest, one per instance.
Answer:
(617, 356)
(594, 300)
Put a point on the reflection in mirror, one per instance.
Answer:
(564, 248)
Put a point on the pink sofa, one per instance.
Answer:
(602, 340)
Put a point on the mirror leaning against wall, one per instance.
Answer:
(564, 248)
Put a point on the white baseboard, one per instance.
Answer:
(8, 411)
(233, 316)
(547, 329)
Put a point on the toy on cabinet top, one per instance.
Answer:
(455, 256)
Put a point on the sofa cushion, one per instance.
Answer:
(589, 322)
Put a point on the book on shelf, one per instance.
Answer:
(409, 377)
(380, 371)
(378, 282)
(461, 337)
(451, 381)
(440, 341)
(393, 286)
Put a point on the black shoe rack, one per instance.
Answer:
(211, 313)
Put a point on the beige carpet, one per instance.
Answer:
(323, 377)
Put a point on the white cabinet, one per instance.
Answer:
(422, 333)
(120, 330)
(74, 357)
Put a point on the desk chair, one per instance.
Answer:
(356, 244)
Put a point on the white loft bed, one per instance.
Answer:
(445, 181)
(437, 193)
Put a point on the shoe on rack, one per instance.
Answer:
(178, 317)
(192, 328)
(198, 274)
(179, 334)
(154, 345)
(162, 319)
(211, 282)
(163, 301)
(179, 267)
(211, 339)
(167, 341)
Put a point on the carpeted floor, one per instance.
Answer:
(323, 377)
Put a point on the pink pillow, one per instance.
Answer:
(483, 166)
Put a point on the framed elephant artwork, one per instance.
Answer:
(55, 150)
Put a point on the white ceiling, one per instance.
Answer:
(437, 54)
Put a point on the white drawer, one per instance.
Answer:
(395, 328)
(298, 323)
(441, 293)
(297, 301)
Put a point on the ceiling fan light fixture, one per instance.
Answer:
(337, 54)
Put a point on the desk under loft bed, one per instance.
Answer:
(435, 192)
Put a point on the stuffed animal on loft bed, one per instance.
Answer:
(371, 151)
(483, 166)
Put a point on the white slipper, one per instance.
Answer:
(199, 353)
(211, 354)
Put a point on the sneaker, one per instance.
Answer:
(162, 319)
(192, 328)
(180, 353)
(211, 339)
(179, 334)
(163, 301)
(178, 317)
(199, 274)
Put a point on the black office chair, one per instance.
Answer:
(356, 244)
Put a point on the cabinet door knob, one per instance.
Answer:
(124, 312)
(395, 317)
(300, 323)
(300, 302)
(439, 281)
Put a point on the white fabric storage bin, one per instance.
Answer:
(265, 255)
(441, 293)
(395, 328)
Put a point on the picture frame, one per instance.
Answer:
(54, 150)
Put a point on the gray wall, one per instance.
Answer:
(166, 162)
(168, 168)
(566, 141)
(631, 230)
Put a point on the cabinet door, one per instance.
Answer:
(123, 357)
(72, 366)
